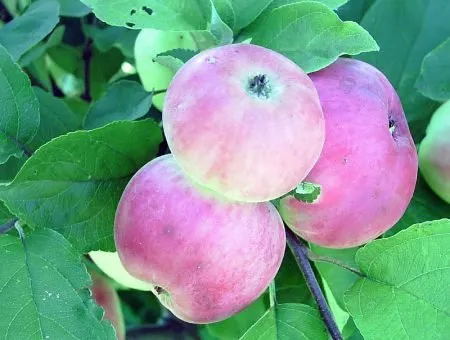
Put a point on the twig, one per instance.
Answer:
(300, 252)
(318, 258)
(87, 56)
(4, 228)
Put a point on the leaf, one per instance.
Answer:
(73, 8)
(125, 100)
(219, 29)
(226, 11)
(307, 192)
(174, 59)
(354, 10)
(44, 291)
(22, 33)
(170, 15)
(247, 11)
(422, 27)
(5, 215)
(235, 326)
(339, 279)
(310, 34)
(405, 292)
(19, 109)
(40, 48)
(56, 119)
(111, 36)
(425, 206)
(289, 282)
(10, 169)
(434, 78)
(288, 321)
(73, 183)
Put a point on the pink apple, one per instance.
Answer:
(244, 121)
(368, 167)
(105, 296)
(434, 153)
(207, 257)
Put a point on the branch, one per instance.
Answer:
(87, 56)
(4, 228)
(300, 251)
(318, 258)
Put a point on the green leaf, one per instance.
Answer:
(56, 119)
(247, 11)
(111, 36)
(289, 282)
(10, 169)
(425, 206)
(40, 48)
(354, 10)
(170, 15)
(405, 292)
(73, 8)
(44, 294)
(434, 78)
(339, 279)
(403, 45)
(5, 215)
(125, 100)
(226, 11)
(310, 34)
(169, 61)
(22, 33)
(19, 109)
(234, 327)
(288, 321)
(278, 3)
(219, 29)
(307, 192)
(73, 183)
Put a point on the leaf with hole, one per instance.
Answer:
(404, 294)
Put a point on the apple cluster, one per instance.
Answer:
(245, 126)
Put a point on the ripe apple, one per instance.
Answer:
(109, 263)
(149, 43)
(368, 167)
(434, 153)
(107, 297)
(207, 257)
(244, 121)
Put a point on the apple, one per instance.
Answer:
(109, 263)
(149, 43)
(207, 257)
(244, 121)
(368, 167)
(105, 296)
(434, 153)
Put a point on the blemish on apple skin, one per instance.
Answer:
(211, 60)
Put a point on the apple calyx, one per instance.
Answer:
(259, 86)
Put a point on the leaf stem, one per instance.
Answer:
(4, 228)
(300, 251)
(272, 294)
(318, 258)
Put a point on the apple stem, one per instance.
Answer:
(4, 228)
(318, 258)
(300, 251)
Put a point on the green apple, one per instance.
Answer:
(111, 265)
(149, 44)
(434, 153)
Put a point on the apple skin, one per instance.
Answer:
(153, 75)
(109, 263)
(105, 295)
(434, 153)
(367, 174)
(208, 257)
(229, 136)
